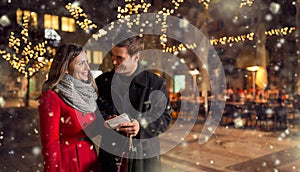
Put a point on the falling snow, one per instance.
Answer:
(261, 141)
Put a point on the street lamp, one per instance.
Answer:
(195, 72)
(253, 70)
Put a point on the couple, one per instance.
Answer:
(73, 103)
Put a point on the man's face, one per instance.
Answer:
(123, 63)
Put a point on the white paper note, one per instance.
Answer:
(116, 121)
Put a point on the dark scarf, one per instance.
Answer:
(79, 95)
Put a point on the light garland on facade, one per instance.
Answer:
(124, 13)
(246, 3)
(243, 3)
(231, 39)
(205, 3)
(165, 12)
(283, 31)
(80, 17)
(224, 40)
(27, 60)
(132, 8)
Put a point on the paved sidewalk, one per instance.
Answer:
(229, 149)
(11, 103)
(20, 146)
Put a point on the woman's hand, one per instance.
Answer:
(131, 128)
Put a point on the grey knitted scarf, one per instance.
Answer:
(79, 95)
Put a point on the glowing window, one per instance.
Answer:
(88, 54)
(51, 21)
(68, 24)
(97, 57)
(32, 17)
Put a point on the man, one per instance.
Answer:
(141, 94)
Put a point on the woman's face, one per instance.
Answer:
(79, 68)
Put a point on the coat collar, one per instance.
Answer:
(140, 76)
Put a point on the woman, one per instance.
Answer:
(67, 107)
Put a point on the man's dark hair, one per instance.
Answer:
(133, 44)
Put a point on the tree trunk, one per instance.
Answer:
(27, 91)
(297, 71)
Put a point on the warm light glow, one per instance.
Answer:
(51, 21)
(224, 40)
(40, 59)
(68, 24)
(132, 8)
(163, 38)
(80, 17)
(252, 68)
(32, 16)
(261, 79)
(242, 3)
(194, 72)
(26, 57)
(205, 3)
(97, 57)
(246, 3)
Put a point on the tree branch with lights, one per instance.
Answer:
(25, 56)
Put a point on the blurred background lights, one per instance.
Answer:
(268, 17)
(274, 7)
(4, 21)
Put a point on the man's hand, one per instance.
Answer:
(109, 117)
(130, 128)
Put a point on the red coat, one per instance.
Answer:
(65, 147)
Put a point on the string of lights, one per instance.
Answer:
(132, 8)
(163, 38)
(243, 3)
(250, 36)
(80, 17)
(26, 57)
(205, 3)
(246, 3)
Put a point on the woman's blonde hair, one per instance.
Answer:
(60, 64)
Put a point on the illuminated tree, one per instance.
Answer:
(24, 55)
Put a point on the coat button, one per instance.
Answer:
(83, 114)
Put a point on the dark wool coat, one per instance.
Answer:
(144, 97)
(65, 146)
